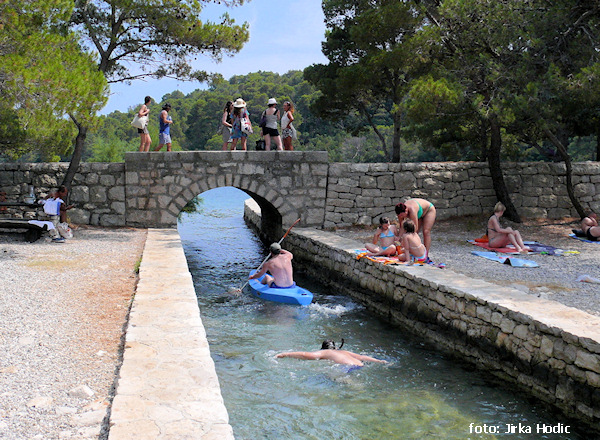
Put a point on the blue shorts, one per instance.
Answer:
(164, 138)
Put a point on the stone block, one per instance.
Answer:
(385, 182)
(588, 361)
(405, 181)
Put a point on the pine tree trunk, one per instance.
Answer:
(564, 154)
(598, 143)
(396, 139)
(77, 154)
(494, 163)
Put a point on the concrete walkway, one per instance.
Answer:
(168, 387)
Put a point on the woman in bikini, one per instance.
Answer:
(422, 213)
(414, 250)
(589, 226)
(498, 236)
(386, 233)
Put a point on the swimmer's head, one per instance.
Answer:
(330, 345)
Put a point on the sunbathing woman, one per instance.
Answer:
(499, 237)
(589, 226)
(414, 250)
(387, 234)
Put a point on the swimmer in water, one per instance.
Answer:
(328, 351)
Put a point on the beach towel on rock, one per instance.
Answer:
(535, 247)
(583, 239)
(511, 261)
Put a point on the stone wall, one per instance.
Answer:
(98, 189)
(361, 193)
(149, 190)
(550, 351)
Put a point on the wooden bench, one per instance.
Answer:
(32, 232)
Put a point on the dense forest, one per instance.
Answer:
(197, 116)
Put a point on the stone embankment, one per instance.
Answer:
(549, 350)
(168, 387)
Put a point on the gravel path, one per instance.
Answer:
(554, 278)
(62, 308)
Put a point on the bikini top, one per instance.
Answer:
(385, 234)
(488, 229)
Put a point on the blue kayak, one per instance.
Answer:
(288, 295)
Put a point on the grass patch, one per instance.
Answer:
(136, 267)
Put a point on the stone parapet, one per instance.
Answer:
(550, 351)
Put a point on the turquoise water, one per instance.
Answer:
(420, 394)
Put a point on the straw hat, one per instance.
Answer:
(239, 103)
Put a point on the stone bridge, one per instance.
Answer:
(286, 185)
(150, 189)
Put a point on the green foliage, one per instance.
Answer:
(194, 205)
(161, 36)
(45, 78)
(371, 61)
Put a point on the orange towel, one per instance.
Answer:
(483, 239)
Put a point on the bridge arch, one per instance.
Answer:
(286, 185)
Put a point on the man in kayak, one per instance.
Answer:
(280, 268)
(329, 352)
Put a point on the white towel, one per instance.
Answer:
(41, 224)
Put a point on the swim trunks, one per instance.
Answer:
(275, 286)
(590, 236)
(352, 368)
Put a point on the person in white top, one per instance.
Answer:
(145, 139)
(269, 130)
(288, 132)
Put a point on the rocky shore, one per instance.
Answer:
(554, 279)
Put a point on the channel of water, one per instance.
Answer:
(420, 394)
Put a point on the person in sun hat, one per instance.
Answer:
(270, 117)
(240, 118)
(280, 268)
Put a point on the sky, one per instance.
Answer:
(284, 35)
